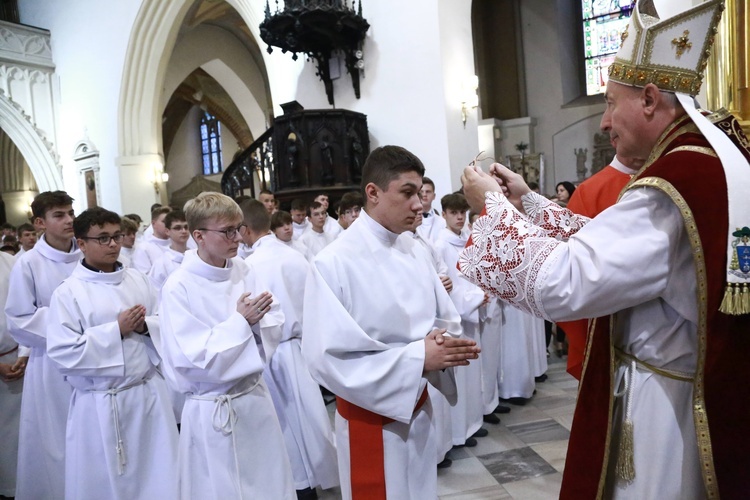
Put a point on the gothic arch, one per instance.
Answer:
(152, 40)
(36, 150)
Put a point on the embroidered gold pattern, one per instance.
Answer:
(695, 149)
(682, 43)
(624, 34)
(700, 418)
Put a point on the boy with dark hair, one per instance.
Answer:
(349, 208)
(281, 227)
(8, 229)
(296, 396)
(99, 337)
(26, 238)
(299, 211)
(316, 238)
(153, 246)
(433, 224)
(178, 234)
(466, 415)
(373, 341)
(219, 329)
(44, 409)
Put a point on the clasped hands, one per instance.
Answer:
(254, 308)
(444, 351)
(476, 184)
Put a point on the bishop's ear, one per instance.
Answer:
(650, 98)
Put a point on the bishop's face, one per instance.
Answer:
(397, 207)
(624, 120)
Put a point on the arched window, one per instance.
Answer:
(210, 144)
(603, 24)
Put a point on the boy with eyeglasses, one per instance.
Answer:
(121, 438)
(170, 260)
(349, 209)
(46, 394)
(219, 328)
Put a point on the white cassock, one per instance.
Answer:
(299, 229)
(296, 396)
(431, 227)
(147, 252)
(10, 391)
(332, 227)
(126, 256)
(370, 300)
(244, 251)
(517, 367)
(165, 265)
(300, 247)
(466, 415)
(591, 275)
(441, 409)
(212, 355)
(315, 242)
(46, 394)
(121, 432)
(491, 335)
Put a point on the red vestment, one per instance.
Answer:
(721, 395)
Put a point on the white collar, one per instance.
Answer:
(56, 255)
(194, 264)
(376, 228)
(620, 167)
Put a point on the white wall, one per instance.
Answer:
(544, 93)
(89, 39)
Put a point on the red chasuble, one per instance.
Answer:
(683, 166)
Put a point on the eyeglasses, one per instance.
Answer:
(105, 239)
(228, 233)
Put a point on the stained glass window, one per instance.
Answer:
(210, 144)
(603, 24)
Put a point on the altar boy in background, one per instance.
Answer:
(297, 398)
(121, 439)
(46, 394)
(219, 329)
(170, 260)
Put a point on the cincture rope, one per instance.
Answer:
(223, 419)
(119, 444)
(625, 466)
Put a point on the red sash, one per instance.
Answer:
(366, 448)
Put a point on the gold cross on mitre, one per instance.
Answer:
(682, 43)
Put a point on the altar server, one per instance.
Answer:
(170, 260)
(152, 246)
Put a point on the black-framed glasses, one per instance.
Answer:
(229, 233)
(105, 239)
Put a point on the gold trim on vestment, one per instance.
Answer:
(664, 372)
(695, 149)
(700, 418)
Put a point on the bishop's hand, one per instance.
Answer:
(512, 184)
(476, 183)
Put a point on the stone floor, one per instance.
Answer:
(522, 457)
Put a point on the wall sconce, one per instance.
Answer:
(160, 177)
(469, 97)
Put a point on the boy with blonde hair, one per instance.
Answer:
(219, 328)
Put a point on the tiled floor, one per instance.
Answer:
(523, 456)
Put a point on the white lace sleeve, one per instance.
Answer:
(558, 222)
(506, 253)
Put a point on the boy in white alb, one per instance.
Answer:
(433, 224)
(297, 398)
(316, 238)
(13, 359)
(46, 394)
(151, 246)
(298, 211)
(219, 328)
(170, 260)
(130, 232)
(469, 299)
(121, 439)
(374, 317)
(282, 228)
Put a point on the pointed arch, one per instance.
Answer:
(35, 149)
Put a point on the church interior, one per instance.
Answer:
(135, 102)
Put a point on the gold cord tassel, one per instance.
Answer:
(737, 300)
(745, 309)
(727, 303)
(625, 467)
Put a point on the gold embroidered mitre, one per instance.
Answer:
(670, 53)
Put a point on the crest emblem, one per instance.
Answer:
(740, 265)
